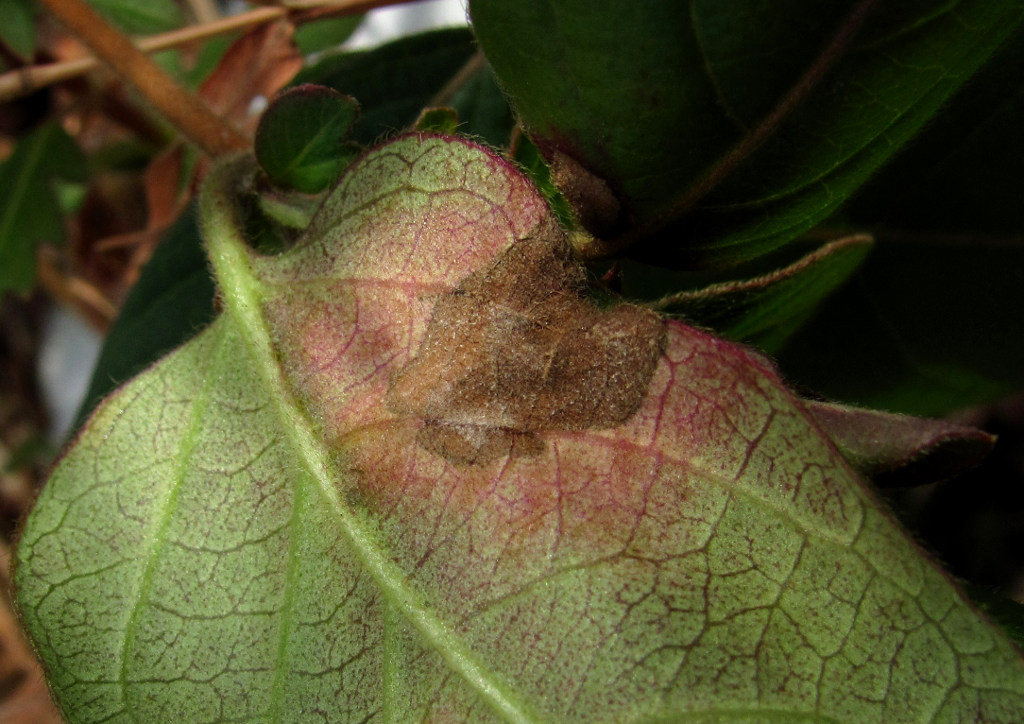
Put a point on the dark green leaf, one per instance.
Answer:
(301, 142)
(483, 109)
(921, 329)
(145, 18)
(325, 34)
(394, 82)
(1005, 611)
(768, 310)
(30, 211)
(933, 323)
(741, 123)
(18, 28)
(172, 300)
(963, 173)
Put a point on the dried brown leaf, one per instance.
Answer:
(260, 63)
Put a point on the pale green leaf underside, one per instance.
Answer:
(201, 554)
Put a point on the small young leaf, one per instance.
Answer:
(30, 212)
(397, 80)
(301, 142)
(527, 155)
(767, 310)
(438, 120)
(290, 210)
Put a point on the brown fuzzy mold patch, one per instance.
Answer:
(516, 350)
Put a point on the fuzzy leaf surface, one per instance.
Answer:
(249, 531)
(896, 450)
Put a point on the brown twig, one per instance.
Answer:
(185, 110)
(22, 81)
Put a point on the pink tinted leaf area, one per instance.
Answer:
(897, 450)
(710, 552)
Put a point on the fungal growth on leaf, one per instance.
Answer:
(515, 350)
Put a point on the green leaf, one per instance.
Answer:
(767, 310)
(397, 80)
(325, 34)
(932, 323)
(277, 521)
(529, 157)
(145, 18)
(30, 212)
(18, 29)
(483, 109)
(922, 329)
(738, 124)
(172, 300)
(438, 120)
(962, 174)
(290, 210)
(301, 142)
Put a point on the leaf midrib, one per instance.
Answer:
(243, 302)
